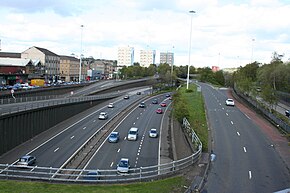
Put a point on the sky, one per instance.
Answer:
(223, 33)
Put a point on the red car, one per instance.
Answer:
(163, 104)
(159, 111)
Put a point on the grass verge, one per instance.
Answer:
(174, 184)
(190, 104)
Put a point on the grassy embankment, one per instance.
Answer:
(189, 103)
(161, 186)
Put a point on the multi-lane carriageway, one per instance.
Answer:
(54, 151)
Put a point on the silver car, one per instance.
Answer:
(123, 166)
(103, 116)
(26, 160)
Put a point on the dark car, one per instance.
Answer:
(92, 175)
(287, 113)
(167, 95)
(26, 160)
(142, 105)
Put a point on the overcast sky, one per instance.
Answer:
(225, 33)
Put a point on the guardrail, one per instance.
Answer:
(50, 101)
(261, 107)
(105, 175)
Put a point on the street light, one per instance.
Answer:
(187, 82)
(252, 50)
(80, 70)
(172, 61)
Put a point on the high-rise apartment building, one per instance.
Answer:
(167, 57)
(147, 57)
(125, 56)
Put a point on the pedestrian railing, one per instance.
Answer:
(11, 171)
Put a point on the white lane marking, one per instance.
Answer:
(84, 127)
(227, 114)
(137, 117)
(56, 149)
(134, 123)
(72, 137)
(250, 174)
(94, 120)
(119, 150)
(245, 150)
(112, 164)
(232, 122)
(238, 133)
(125, 138)
(248, 116)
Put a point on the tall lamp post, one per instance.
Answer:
(252, 50)
(172, 61)
(80, 70)
(187, 82)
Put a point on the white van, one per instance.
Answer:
(133, 134)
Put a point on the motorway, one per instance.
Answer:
(245, 159)
(141, 153)
(56, 150)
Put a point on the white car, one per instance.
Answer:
(153, 133)
(111, 105)
(123, 166)
(103, 116)
(133, 134)
(230, 102)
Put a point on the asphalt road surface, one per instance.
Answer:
(245, 159)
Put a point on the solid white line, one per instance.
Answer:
(247, 116)
(245, 150)
(238, 133)
(250, 174)
(56, 149)
(72, 137)
(60, 133)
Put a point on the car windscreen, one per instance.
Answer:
(123, 164)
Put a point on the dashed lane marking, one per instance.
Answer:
(72, 137)
(56, 149)
(245, 150)
(250, 174)
(238, 133)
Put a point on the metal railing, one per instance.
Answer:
(27, 103)
(105, 175)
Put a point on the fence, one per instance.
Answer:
(260, 107)
(45, 101)
(103, 176)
